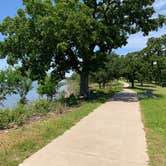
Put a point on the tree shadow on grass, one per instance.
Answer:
(146, 92)
(141, 90)
(100, 96)
(148, 86)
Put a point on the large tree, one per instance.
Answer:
(74, 35)
(155, 54)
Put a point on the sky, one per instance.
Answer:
(136, 42)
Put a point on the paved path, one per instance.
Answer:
(112, 135)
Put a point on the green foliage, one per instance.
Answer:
(62, 36)
(155, 55)
(5, 118)
(163, 77)
(72, 100)
(22, 113)
(110, 71)
(6, 83)
(49, 87)
(12, 82)
(19, 115)
(22, 85)
(11, 118)
(40, 107)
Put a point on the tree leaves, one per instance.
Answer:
(62, 35)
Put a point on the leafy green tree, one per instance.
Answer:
(109, 71)
(4, 90)
(49, 87)
(64, 35)
(156, 53)
(19, 84)
(136, 68)
(12, 82)
(144, 71)
(22, 86)
(131, 67)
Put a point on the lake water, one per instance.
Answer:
(12, 100)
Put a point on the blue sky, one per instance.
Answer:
(135, 42)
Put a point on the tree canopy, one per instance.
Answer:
(73, 35)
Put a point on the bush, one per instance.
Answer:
(163, 84)
(72, 100)
(58, 107)
(41, 107)
(19, 115)
(5, 119)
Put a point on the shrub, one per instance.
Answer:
(5, 118)
(19, 115)
(72, 100)
(41, 107)
(58, 107)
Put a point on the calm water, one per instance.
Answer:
(12, 100)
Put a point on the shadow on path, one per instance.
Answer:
(125, 97)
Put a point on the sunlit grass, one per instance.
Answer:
(154, 117)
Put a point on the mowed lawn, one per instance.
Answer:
(154, 118)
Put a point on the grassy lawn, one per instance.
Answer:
(154, 117)
(16, 145)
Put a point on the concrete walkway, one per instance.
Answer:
(112, 135)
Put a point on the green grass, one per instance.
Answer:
(154, 118)
(19, 144)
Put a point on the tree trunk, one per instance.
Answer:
(104, 85)
(84, 88)
(99, 85)
(141, 83)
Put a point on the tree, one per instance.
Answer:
(12, 82)
(64, 35)
(5, 88)
(131, 67)
(49, 87)
(109, 71)
(156, 52)
(22, 86)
